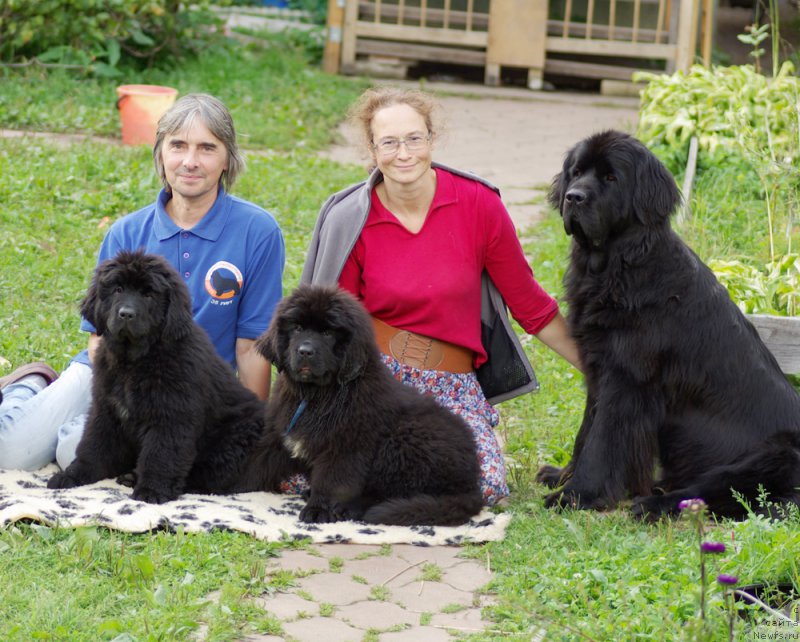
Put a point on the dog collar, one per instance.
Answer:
(296, 416)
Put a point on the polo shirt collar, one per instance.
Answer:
(446, 193)
(210, 226)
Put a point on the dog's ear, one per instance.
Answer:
(269, 345)
(361, 344)
(266, 345)
(560, 181)
(178, 318)
(655, 195)
(90, 304)
(354, 361)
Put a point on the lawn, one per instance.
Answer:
(577, 575)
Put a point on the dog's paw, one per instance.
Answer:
(127, 479)
(316, 514)
(569, 498)
(550, 476)
(151, 495)
(62, 480)
(654, 507)
(351, 513)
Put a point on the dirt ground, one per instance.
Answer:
(515, 138)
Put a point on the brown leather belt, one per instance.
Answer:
(421, 352)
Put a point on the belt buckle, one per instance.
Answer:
(416, 351)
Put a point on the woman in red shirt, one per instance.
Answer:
(412, 243)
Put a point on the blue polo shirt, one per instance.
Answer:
(232, 262)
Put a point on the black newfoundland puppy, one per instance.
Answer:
(165, 406)
(675, 374)
(377, 450)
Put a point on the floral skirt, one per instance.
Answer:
(462, 395)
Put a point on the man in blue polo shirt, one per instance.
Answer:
(230, 253)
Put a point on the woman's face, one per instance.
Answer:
(399, 164)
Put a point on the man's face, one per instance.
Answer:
(194, 160)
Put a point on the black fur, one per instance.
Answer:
(164, 404)
(675, 373)
(377, 450)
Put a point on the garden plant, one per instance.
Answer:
(565, 575)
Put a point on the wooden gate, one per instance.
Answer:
(606, 39)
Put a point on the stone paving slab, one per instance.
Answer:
(416, 634)
(466, 620)
(427, 597)
(299, 561)
(442, 556)
(334, 588)
(377, 615)
(467, 576)
(386, 571)
(320, 629)
(288, 606)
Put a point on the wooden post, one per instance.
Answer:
(707, 33)
(685, 211)
(517, 33)
(348, 58)
(687, 34)
(333, 43)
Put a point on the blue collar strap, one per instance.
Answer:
(296, 416)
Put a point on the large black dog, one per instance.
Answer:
(377, 450)
(164, 404)
(676, 375)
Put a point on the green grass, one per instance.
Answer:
(91, 584)
(576, 575)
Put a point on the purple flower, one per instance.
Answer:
(727, 579)
(694, 505)
(712, 547)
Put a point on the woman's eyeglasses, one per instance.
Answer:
(390, 146)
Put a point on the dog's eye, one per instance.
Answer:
(327, 333)
(576, 173)
(118, 289)
(297, 328)
(611, 178)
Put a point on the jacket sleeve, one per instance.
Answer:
(307, 275)
(336, 231)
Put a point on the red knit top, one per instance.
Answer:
(429, 282)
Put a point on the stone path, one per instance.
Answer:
(388, 593)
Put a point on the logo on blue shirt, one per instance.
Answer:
(223, 281)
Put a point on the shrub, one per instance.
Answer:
(99, 35)
(747, 123)
(733, 112)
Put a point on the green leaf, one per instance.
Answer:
(103, 70)
(112, 51)
(141, 38)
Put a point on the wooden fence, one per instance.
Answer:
(586, 38)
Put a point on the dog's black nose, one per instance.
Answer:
(305, 349)
(126, 313)
(575, 196)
